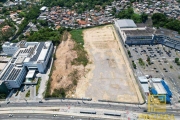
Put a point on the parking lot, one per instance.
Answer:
(162, 64)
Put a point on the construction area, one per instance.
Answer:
(109, 75)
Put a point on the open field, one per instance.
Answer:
(110, 76)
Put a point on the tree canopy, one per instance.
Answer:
(45, 34)
(160, 20)
(129, 14)
(79, 5)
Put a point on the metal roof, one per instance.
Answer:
(126, 23)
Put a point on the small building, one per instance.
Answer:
(9, 48)
(43, 9)
(144, 84)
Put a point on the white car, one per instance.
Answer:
(10, 115)
(55, 115)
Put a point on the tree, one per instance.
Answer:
(144, 17)
(176, 60)
(171, 66)
(129, 53)
(43, 22)
(158, 19)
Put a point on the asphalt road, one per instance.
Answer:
(122, 107)
(44, 117)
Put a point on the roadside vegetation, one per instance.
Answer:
(28, 93)
(38, 85)
(129, 53)
(82, 58)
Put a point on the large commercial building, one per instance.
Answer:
(27, 58)
(133, 34)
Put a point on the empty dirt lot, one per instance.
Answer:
(109, 76)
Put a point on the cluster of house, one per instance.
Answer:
(171, 8)
(4, 28)
(15, 2)
(64, 17)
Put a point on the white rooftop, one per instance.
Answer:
(30, 74)
(145, 88)
(126, 23)
(143, 79)
(159, 88)
(43, 8)
(156, 79)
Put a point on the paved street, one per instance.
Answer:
(71, 108)
(45, 116)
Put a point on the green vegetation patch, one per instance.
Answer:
(141, 62)
(77, 36)
(82, 58)
(45, 34)
(38, 85)
(28, 93)
(161, 20)
(129, 14)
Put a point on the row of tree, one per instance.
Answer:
(161, 20)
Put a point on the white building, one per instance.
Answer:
(43, 8)
(10, 48)
(30, 56)
(139, 34)
(132, 34)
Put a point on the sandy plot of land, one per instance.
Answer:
(61, 77)
(109, 76)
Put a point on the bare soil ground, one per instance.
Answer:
(64, 72)
(108, 76)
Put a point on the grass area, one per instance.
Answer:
(81, 53)
(28, 93)
(38, 85)
(77, 36)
